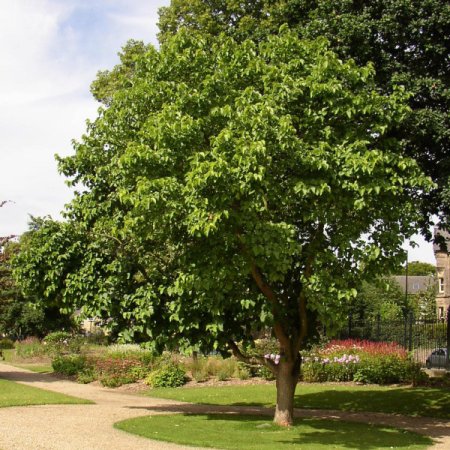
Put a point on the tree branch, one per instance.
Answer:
(272, 297)
(252, 360)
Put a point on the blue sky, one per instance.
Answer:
(51, 51)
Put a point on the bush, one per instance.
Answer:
(171, 375)
(69, 365)
(265, 372)
(62, 343)
(87, 375)
(6, 344)
(115, 371)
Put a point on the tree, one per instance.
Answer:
(408, 41)
(419, 268)
(381, 298)
(4, 239)
(21, 316)
(233, 186)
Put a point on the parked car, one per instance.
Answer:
(437, 358)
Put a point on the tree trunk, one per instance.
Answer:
(287, 378)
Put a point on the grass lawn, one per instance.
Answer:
(259, 433)
(426, 402)
(15, 394)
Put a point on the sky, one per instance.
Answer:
(51, 51)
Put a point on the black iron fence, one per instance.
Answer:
(427, 340)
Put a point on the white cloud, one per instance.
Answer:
(51, 51)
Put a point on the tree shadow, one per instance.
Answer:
(311, 432)
(406, 401)
(29, 377)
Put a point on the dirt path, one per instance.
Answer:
(82, 427)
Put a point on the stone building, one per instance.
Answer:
(441, 249)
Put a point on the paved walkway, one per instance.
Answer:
(90, 427)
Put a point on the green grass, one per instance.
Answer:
(15, 394)
(259, 433)
(426, 402)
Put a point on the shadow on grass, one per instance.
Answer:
(29, 377)
(423, 402)
(307, 433)
(435, 428)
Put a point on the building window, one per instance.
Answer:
(441, 313)
(441, 285)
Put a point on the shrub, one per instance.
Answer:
(115, 371)
(171, 375)
(69, 364)
(61, 343)
(6, 344)
(87, 375)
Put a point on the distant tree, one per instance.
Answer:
(22, 316)
(4, 239)
(382, 298)
(419, 268)
(424, 303)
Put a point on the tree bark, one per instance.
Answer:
(287, 378)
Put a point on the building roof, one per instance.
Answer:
(441, 241)
(416, 283)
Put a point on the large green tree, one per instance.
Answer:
(22, 316)
(230, 187)
(408, 41)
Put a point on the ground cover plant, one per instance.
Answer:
(15, 394)
(259, 433)
(426, 402)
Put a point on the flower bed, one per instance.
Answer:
(361, 361)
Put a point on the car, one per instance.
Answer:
(437, 358)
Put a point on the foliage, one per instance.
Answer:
(257, 432)
(230, 187)
(6, 343)
(69, 364)
(169, 375)
(424, 303)
(22, 316)
(406, 40)
(62, 342)
(382, 298)
(419, 268)
(361, 361)
(115, 371)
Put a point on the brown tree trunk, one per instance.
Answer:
(287, 378)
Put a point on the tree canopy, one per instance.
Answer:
(419, 268)
(231, 186)
(407, 41)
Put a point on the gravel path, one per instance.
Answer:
(90, 427)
